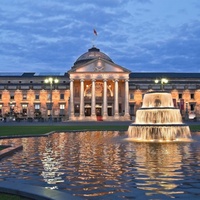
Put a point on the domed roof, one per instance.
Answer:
(92, 54)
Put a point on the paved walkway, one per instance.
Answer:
(34, 192)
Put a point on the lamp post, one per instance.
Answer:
(51, 81)
(162, 81)
(186, 112)
(11, 109)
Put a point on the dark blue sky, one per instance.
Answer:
(140, 35)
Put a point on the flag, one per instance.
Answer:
(95, 32)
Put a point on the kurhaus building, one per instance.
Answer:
(95, 88)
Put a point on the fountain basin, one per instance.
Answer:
(159, 132)
(158, 120)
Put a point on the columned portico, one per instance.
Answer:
(99, 90)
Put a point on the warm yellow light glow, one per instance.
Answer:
(164, 80)
(156, 81)
(56, 80)
(51, 80)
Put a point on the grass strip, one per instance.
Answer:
(38, 130)
(194, 127)
(4, 196)
(2, 147)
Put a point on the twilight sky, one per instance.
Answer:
(140, 35)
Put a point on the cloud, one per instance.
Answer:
(137, 34)
(179, 52)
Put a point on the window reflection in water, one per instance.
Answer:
(100, 163)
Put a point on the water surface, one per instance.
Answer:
(102, 165)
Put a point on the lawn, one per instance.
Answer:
(37, 130)
(2, 147)
(194, 127)
(4, 196)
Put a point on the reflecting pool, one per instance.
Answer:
(102, 165)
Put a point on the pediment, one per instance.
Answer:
(99, 65)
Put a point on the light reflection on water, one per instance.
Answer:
(101, 165)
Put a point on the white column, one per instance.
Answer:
(116, 110)
(105, 114)
(82, 98)
(126, 99)
(71, 98)
(93, 99)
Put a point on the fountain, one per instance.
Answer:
(158, 120)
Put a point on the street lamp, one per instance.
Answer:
(162, 81)
(51, 81)
(186, 112)
(11, 109)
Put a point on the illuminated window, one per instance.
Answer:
(62, 109)
(37, 110)
(37, 106)
(1, 109)
(62, 106)
(24, 109)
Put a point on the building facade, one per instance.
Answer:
(95, 88)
